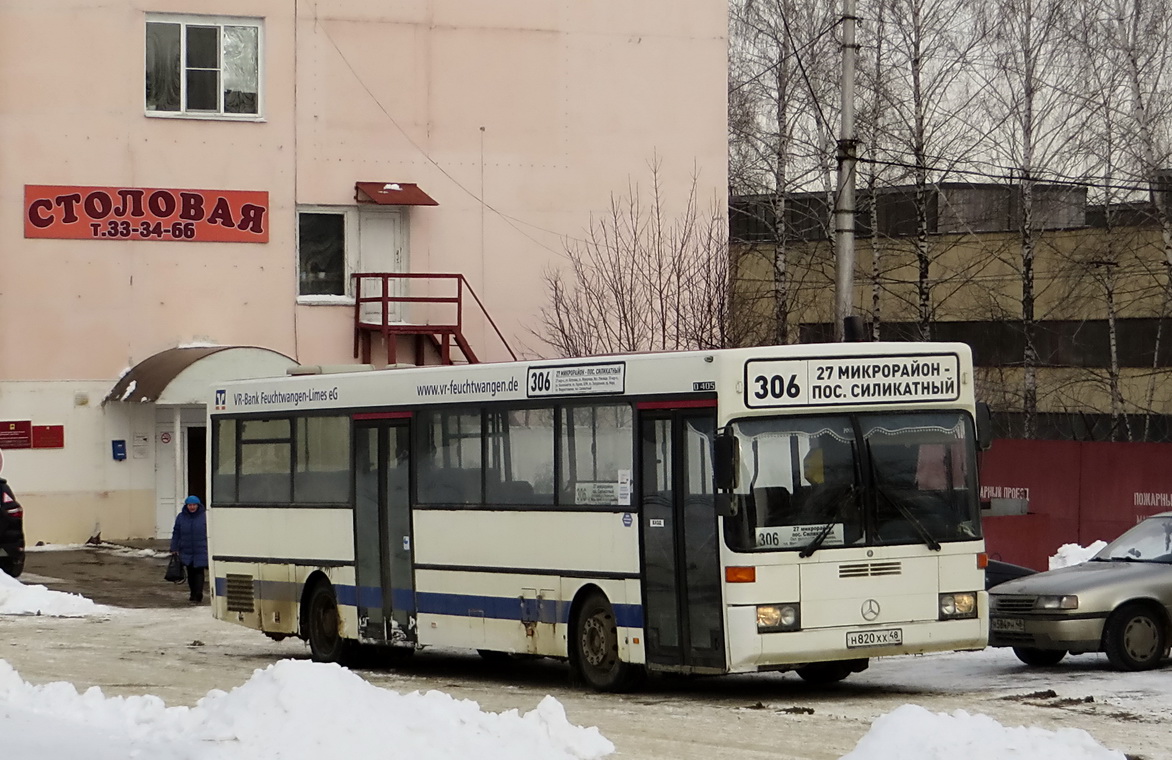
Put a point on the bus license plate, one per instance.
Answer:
(1008, 625)
(884, 638)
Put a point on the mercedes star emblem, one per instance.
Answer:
(870, 609)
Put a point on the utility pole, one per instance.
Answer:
(844, 212)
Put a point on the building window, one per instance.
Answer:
(334, 242)
(203, 66)
(321, 247)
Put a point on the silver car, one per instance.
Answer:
(1119, 602)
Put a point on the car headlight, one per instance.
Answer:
(959, 605)
(778, 617)
(1067, 602)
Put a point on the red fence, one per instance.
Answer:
(1077, 493)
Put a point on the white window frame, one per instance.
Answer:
(350, 254)
(184, 20)
(353, 246)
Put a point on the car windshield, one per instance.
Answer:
(1149, 541)
(806, 483)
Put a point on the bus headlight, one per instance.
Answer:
(957, 606)
(778, 617)
(1057, 603)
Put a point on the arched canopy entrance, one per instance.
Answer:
(165, 398)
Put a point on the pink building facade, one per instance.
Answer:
(184, 198)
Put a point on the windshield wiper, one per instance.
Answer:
(925, 536)
(829, 526)
(914, 521)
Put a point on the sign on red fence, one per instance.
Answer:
(145, 213)
(1077, 493)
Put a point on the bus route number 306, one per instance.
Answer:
(776, 386)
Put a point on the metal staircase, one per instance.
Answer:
(431, 324)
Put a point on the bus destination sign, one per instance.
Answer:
(851, 380)
(576, 379)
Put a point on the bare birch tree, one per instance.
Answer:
(1136, 40)
(1032, 125)
(780, 136)
(644, 279)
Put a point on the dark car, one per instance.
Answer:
(11, 531)
(997, 572)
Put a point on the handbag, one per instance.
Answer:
(176, 573)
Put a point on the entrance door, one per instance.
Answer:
(681, 558)
(382, 528)
(197, 462)
(382, 248)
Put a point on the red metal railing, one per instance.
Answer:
(443, 315)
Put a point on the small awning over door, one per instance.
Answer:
(186, 375)
(392, 194)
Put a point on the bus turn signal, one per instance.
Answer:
(740, 574)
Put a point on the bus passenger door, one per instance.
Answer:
(382, 528)
(683, 623)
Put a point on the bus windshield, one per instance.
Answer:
(809, 483)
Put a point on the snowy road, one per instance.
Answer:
(181, 654)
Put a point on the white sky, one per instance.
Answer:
(291, 710)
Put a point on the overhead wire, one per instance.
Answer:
(510, 220)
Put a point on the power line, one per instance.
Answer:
(506, 217)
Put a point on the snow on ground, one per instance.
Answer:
(118, 549)
(293, 709)
(912, 732)
(17, 598)
(1073, 554)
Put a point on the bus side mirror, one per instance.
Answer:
(724, 465)
(984, 426)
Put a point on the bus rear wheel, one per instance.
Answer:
(596, 647)
(323, 626)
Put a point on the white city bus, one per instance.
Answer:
(763, 509)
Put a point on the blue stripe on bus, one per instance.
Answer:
(430, 602)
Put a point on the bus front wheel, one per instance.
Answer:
(823, 673)
(323, 626)
(596, 647)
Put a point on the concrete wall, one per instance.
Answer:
(520, 117)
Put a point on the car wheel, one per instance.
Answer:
(822, 673)
(1135, 638)
(323, 626)
(596, 648)
(1039, 658)
(14, 566)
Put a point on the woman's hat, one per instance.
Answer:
(192, 500)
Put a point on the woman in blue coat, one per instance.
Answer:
(189, 541)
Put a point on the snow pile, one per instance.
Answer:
(1073, 554)
(19, 599)
(291, 710)
(913, 733)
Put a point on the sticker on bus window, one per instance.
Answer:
(599, 493)
(624, 487)
(797, 536)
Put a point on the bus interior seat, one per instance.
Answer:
(450, 485)
(512, 492)
(773, 504)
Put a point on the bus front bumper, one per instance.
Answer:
(752, 651)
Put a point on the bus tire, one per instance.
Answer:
(822, 673)
(323, 626)
(595, 655)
